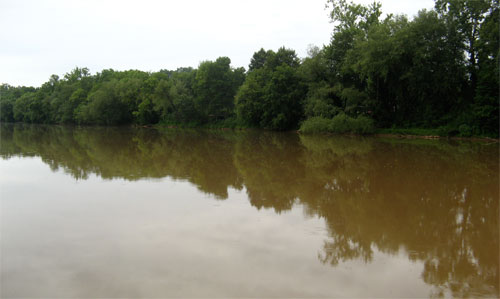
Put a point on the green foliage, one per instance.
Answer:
(30, 108)
(316, 124)
(362, 125)
(466, 18)
(438, 71)
(323, 95)
(105, 106)
(6, 110)
(258, 59)
(145, 113)
(8, 96)
(271, 96)
(339, 124)
(485, 108)
(215, 87)
(413, 73)
(320, 101)
(465, 130)
(250, 97)
(282, 107)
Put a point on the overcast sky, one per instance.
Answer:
(40, 38)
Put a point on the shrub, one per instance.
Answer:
(362, 125)
(464, 130)
(316, 124)
(339, 124)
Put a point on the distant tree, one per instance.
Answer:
(465, 17)
(258, 60)
(105, 107)
(272, 94)
(486, 100)
(437, 70)
(215, 85)
(283, 56)
(250, 99)
(7, 100)
(322, 97)
(30, 109)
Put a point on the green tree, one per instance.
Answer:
(343, 89)
(250, 97)
(258, 59)
(272, 95)
(410, 78)
(322, 91)
(7, 100)
(30, 108)
(466, 18)
(486, 100)
(215, 86)
(104, 106)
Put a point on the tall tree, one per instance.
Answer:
(272, 95)
(466, 17)
(486, 100)
(215, 86)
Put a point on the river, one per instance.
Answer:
(142, 212)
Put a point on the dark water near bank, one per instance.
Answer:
(124, 212)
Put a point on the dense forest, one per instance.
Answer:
(438, 70)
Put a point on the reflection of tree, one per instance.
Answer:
(269, 165)
(129, 153)
(436, 200)
(440, 203)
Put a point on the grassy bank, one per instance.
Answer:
(343, 124)
(460, 132)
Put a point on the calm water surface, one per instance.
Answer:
(124, 212)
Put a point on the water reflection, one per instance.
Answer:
(436, 201)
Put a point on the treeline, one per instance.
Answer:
(439, 70)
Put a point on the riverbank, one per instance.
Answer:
(430, 137)
(414, 133)
(422, 133)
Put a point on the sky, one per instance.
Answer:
(41, 38)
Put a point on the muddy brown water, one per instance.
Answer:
(135, 212)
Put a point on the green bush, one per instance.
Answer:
(465, 130)
(316, 124)
(339, 124)
(362, 125)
